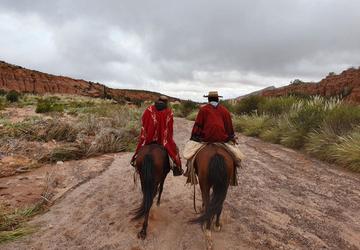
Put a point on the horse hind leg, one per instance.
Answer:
(217, 226)
(142, 233)
(160, 192)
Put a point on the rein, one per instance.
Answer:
(195, 201)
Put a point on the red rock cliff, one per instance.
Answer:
(14, 77)
(346, 84)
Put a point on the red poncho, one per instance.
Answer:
(213, 124)
(157, 126)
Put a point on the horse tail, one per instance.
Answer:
(217, 176)
(148, 186)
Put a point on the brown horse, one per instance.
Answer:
(152, 163)
(214, 167)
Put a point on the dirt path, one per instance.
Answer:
(285, 200)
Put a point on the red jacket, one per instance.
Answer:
(213, 124)
(157, 126)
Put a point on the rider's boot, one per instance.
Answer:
(177, 170)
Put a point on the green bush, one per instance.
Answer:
(48, 105)
(192, 115)
(12, 96)
(228, 105)
(248, 105)
(2, 92)
(276, 106)
(303, 118)
(186, 107)
(342, 118)
(252, 125)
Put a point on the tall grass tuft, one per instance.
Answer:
(347, 151)
(110, 141)
(60, 131)
(319, 143)
(325, 128)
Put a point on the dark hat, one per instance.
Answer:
(213, 94)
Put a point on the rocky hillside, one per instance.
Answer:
(346, 84)
(259, 92)
(23, 80)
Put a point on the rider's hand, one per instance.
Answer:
(234, 140)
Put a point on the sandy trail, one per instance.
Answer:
(284, 200)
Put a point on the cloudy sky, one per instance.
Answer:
(183, 48)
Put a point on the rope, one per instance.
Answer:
(195, 201)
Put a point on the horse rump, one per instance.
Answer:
(147, 185)
(218, 178)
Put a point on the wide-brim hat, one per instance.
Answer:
(213, 94)
(163, 98)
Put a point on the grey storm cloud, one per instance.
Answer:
(183, 48)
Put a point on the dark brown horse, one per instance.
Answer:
(152, 163)
(214, 167)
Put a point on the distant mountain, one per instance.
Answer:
(13, 77)
(259, 92)
(346, 84)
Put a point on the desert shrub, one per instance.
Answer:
(29, 99)
(248, 105)
(347, 151)
(2, 103)
(186, 107)
(342, 118)
(308, 117)
(26, 129)
(176, 110)
(12, 96)
(49, 105)
(296, 82)
(252, 125)
(276, 106)
(66, 152)
(110, 141)
(304, 117)
(60, 131)
(319, 143)
(272, 135)
(228, 105)
(2, 92)
(192, 115)
(90, 124)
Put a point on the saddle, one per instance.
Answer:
(196, 147)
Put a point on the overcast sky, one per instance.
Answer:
(183, 48)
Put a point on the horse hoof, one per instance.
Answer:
(208, 239)
(217, 228)
(141, 235)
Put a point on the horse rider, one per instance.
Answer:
(213, 124)
(157, 127)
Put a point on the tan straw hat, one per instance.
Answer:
(163, 98)
(213, 94)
